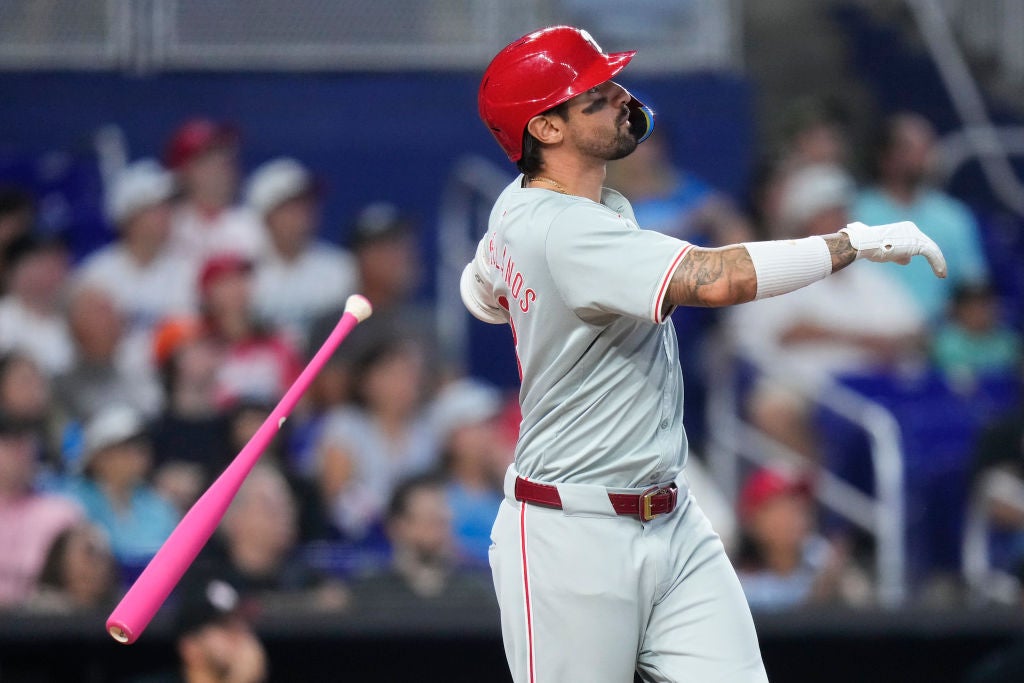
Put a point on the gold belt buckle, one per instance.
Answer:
(647, 499)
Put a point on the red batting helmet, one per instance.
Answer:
(542, 70)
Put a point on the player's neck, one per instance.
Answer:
(571, 176)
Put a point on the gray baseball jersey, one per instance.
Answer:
(584, 288)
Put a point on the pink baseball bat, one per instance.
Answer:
(137, 608)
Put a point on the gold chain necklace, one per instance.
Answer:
(558, 186)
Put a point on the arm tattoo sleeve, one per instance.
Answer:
(843, 253)
(713, 277)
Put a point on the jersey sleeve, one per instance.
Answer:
(475, 288)
(602, 263)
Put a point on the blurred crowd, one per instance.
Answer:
(130, 378)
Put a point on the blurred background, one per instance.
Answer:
(189, 190)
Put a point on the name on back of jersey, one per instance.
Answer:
(513, 277)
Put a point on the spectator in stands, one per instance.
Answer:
(667, 199)
(383, 242)
(17, 218)
(26, 396)
(254, 360)
(1000, 448)
(366, 448)
(79, 572)
(31, 319)
(204, 156)
(973, 342)
(114, 490)
(474, 458)
(423, 565)
(858, 321)
(815, 131)
(191, 437)
(903, 164)
(146, 278)
(781, 561)
(245, 417)
(29, 521)
(258, 552)
(215, 641)
(298, 277)
(99, 376)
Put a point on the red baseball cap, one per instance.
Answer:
(766, 484)
(220, 265)
(196, 136)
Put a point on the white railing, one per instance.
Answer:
(991, 29)
(733, 441)
(472, 187)
(987, 584)
(984, 140)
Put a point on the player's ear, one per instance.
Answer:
(547, 129)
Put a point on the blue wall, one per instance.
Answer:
(379, 136)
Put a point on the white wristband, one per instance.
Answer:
(783, 266)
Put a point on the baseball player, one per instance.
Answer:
(602, 562)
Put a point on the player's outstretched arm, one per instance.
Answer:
(757, 270)
(725, 276)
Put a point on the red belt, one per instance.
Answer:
(657, 500)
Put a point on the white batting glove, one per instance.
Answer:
(896, 242)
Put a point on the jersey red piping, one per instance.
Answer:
(526, 593)
(663, 288)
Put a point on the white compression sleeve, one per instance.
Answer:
(786, 265)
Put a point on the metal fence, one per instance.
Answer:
(347, 35)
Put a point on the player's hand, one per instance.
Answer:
(896, 242)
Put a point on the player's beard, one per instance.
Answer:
(618, 146)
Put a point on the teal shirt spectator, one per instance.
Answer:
(947, 221)
(138, 531)
(959, 352)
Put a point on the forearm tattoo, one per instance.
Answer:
(843, 253)
(713, 277)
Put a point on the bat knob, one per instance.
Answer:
(118, 634)
(359, 306)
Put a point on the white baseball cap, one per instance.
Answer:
(813, 189)
(111, 426)
(462, 403)
(137, 186)
(276, 182)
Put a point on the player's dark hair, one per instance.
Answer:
(531, 162)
